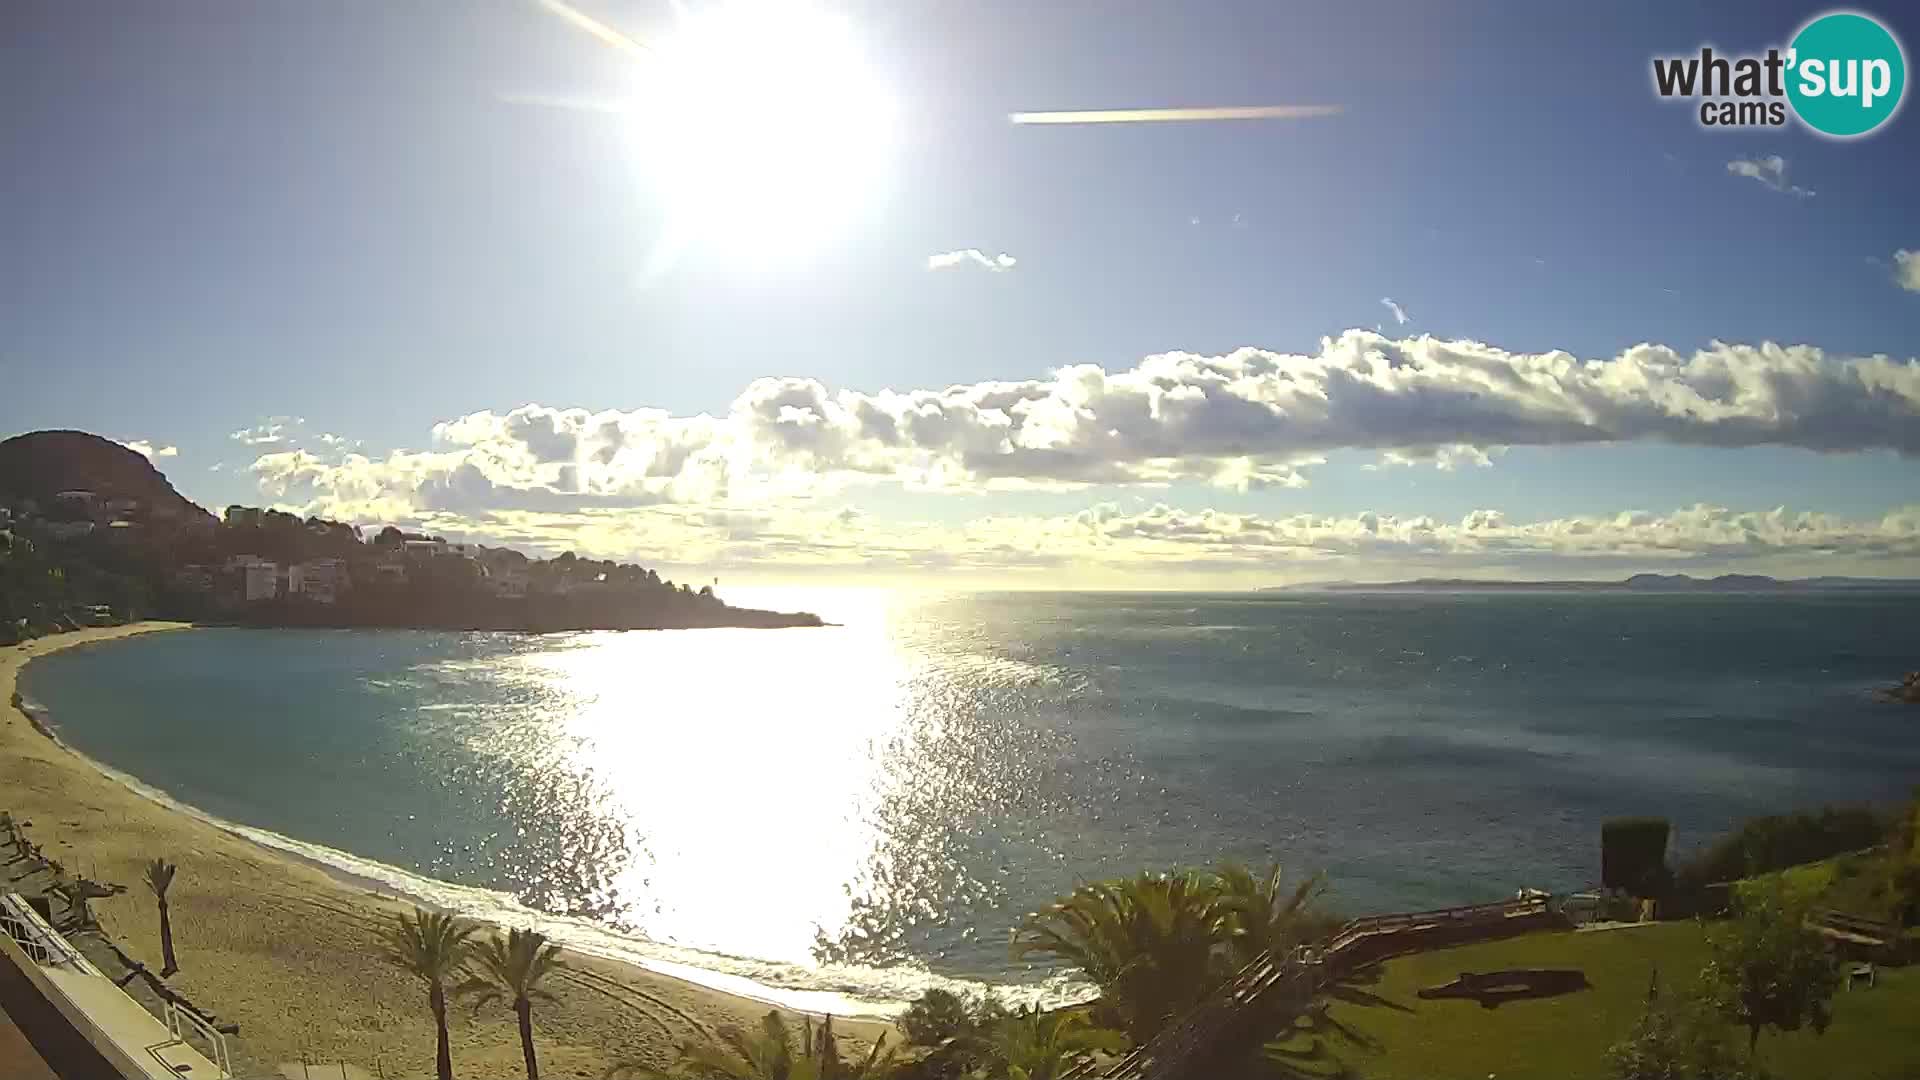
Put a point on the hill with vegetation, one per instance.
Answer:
(37, 467)
(92, 533)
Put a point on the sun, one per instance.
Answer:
(762, 127)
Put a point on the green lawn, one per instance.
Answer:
(1875, 1033)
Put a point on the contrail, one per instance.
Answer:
(593, 26)
(554, 101)
(1153, 116)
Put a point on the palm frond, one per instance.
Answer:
(516, 962)
(159, 877)
(430, 945)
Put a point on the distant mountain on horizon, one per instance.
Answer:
(1636, 583)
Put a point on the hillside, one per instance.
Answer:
(132, 547)
(41, 464)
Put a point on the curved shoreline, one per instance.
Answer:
(281, 940)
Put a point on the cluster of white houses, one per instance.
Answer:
(75, 516)
(251, 578)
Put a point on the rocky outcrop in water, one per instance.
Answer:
(1907, 691)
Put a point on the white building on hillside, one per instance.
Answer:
(259, 578)
(509, 583)
(319, 580)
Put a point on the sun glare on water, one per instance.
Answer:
(763, 128)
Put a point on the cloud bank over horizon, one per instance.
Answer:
(1158, 544)
(1247, 420)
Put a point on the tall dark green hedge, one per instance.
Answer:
(1633, 855)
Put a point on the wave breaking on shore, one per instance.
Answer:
(853, 991)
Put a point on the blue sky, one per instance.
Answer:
(217, 215)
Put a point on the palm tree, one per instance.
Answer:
(432, 947)
(509, 968)
(1265, 917)
(1033, 1045)
(767, 1054)
(1154, 944)
(159, 878)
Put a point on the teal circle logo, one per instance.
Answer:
(1846, 74)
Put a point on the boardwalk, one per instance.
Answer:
(1272, 985)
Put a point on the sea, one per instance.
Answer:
(841, 817)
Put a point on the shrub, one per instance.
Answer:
(953, 1028)
(1775, 842)
(1633, 855)
(939, 1015)
(1768, 969)
(1677, 1038)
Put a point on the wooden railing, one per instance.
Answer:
(1304, 973)
(1856, 925)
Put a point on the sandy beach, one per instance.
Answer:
(292, 954)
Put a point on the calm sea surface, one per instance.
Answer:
(866, 807)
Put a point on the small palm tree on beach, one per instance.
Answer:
(159, 878)
(510, 968)
(432, 947)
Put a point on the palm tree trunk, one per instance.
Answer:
(524, 1010)
(168, 966)
(442, 1053)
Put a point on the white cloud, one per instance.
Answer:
(1106, 541)
(1906, 269)
(1245, 420)
(972, 257)
(271, 431)
(147, 450)
(1771, 171)
(1399, 314)
(1444, 458)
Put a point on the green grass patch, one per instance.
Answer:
(1875, 1033)
(1857, 883)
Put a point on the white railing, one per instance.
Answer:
(36, 938)
(180, 1021)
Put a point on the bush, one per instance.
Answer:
(954, 1030)
(1678, 1038)
(1633, 855)
(1768, 969)
(936, 1016)
(1776, 842)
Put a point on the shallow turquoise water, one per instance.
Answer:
(887, 796)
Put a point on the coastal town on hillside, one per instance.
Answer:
(126, 546)
(247, 578)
